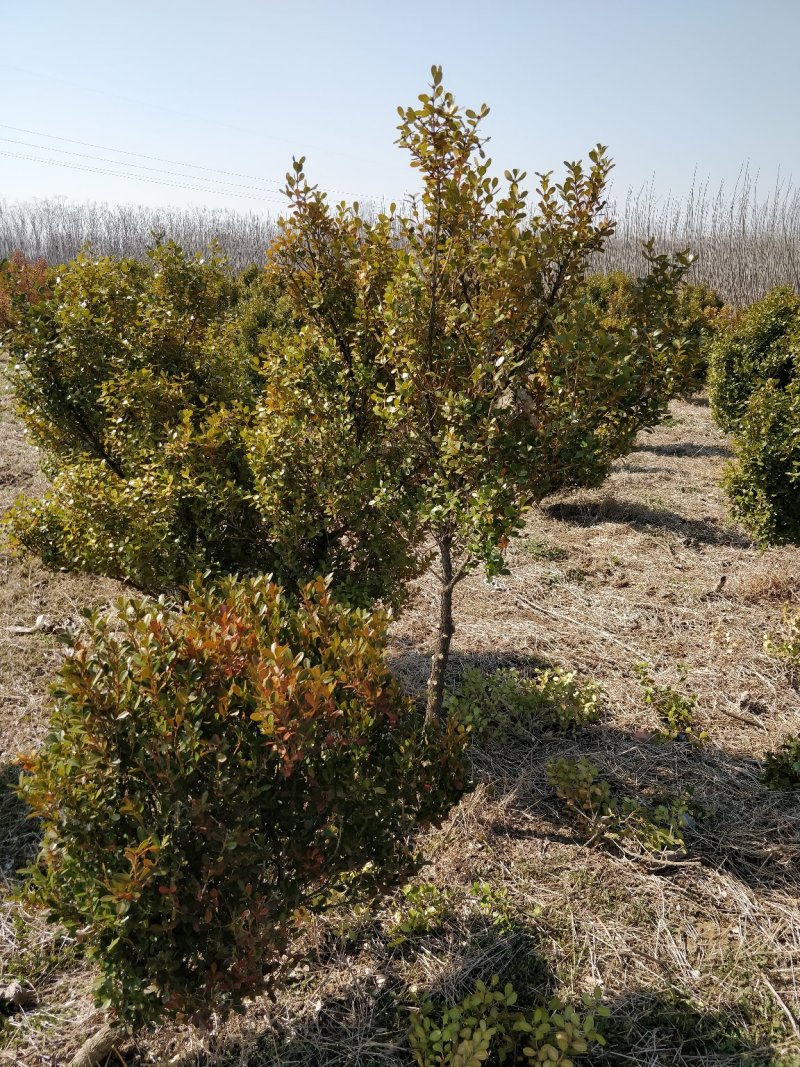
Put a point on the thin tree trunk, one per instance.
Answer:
(433, 708)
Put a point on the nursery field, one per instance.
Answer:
(696, 946)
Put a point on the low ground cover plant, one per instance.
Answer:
(423, 909)
(496, 707)
(755, 395)
(490, 1026)
(784, 644)
(656, 826)
(214, 773)
(782, 767)
(675, 710)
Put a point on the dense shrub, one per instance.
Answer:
(691, 323)
(763, 482)
(451, 344)
(213, 773)
(411, 383)
(489, 1026)
(145, 385)
(131, 382)
(755, 394)
(22, 282)
(762, 344)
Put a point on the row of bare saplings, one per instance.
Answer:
(268, 461)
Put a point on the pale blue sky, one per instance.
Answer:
(672, 86)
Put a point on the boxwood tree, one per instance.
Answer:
(450, 348)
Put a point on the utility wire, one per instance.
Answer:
(156, 159)
(139, 155)
(163, 109)
(137, 166)
(136, 177)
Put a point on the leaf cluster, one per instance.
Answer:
(675, 710)
(493, 708)
(161, 396)
(488, 1026)
(23, 283)
(423, 909)
(689, 317)
(782, 767)
(763, 482)
(215, 773)
(760, 344)
(655, 826)
(785, 645)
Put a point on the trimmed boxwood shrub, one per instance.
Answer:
(762, 344)
(755, 394)
(692, 321)
(212, 774)
(134, 383)
(148, 387)
(763, 483)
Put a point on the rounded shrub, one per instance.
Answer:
(763, 483)
(215, 773)
(761, 344)
(755, 394)
(23, 282)
(133, 382)
(689, 325)
(163, 395)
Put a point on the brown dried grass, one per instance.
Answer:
(698, 957)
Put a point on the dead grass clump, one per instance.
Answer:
(773, 580)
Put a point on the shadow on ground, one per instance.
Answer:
(643, 517)
(697, 400)
(664, 1029)
(741, 826)
(687, 449)
(19, 835)
(412, 666)
(365, 1023)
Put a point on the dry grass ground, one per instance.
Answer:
(699, 955)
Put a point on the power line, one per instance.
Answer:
(123, 163)
(156, 159)
(161, 107)
(135, 177)
(139, 155)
